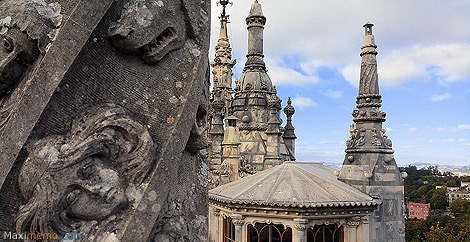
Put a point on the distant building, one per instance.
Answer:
(449, 189)
(418, 210)
(465, 184)
(439, 187)
(452, 195)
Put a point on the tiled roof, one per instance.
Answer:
(292, 184)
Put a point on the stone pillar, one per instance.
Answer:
(300, 230)
(239, 221)
(231, 147)
(363, 233)
(217, 130)
(214, 225)
(273, 132)
(351, 230)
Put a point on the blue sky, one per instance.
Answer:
(312, 53)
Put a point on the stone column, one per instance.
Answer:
(217, 130)
(300, 230)
(214, 225)
(239, 221)
(273, 132)
(363, 233)
(351, 229)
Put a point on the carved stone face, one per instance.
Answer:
(150, 28)
(93, 189)
(17, 53)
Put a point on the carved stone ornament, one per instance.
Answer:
(238, 221)
(88, 177)
(301, 226)
(354, 222)
(224, 170)
(26, 30)
(153, 29)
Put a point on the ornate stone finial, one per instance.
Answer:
(289, 110)
(368, 27)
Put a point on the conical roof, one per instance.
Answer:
(292, 184)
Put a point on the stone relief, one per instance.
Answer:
(26, 31)
(152, 29)
(245, 169)
(87, 179)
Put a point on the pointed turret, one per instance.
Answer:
(369, 163)
(289, 135)
(223, 63)
(255, 75)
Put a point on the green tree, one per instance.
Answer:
(415, 230)
(452, 183)
(439, 199)
(423, 190)
(429, 195)
(460, 206)
(439, 234)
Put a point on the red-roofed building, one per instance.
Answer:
(418, 210)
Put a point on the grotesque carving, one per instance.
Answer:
(91, 174)
(245, 168)
(27, 28)
(154, 28)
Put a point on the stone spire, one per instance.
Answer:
(223, 63)
(369, 164)
(255, 22)
(254, 75)
(289, 135)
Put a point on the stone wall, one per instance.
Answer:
(101, 131)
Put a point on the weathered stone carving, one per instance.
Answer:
(88, 175)
(245, 168)
(27, 28)
(154, 28)
(83, 67)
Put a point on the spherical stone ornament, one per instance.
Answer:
(336, 172)
(246, 119)
(404, 175)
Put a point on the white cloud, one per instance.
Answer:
(441, 97)
(468, 144)
(281, 74)
(413, 129)
(351, 74)
(389, 129)
(431, 141)
(303, 102)
(440, 129)
(462, 140)
(332, 94)
(448, 140)
(406, 53)
(464, 126)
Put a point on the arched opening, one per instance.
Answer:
(262, 232)
(228, 230)
(325, 233)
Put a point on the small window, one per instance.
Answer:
(229, 230)
(262, 232)
(325, 233)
